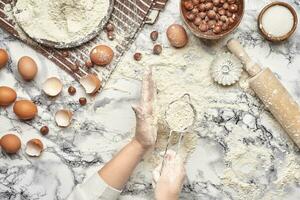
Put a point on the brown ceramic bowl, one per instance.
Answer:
(209, 35)
(281, 38)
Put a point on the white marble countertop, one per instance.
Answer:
(241, 152)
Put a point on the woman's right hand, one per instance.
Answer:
(169, 183)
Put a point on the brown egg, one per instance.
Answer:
(101, 55)
(7, 96)
(27, 68)
(177, 35)
(10, 143)
(25, 109)
(3, 58)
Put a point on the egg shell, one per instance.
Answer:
(91, 83)
(3, 58)
(7, 96)
(10, 143)
(101, 55)
(34, 148)
(25, 109)
(177, 36)
(27, 68)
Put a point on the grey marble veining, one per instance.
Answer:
(102, 127)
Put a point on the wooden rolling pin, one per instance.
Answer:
(271, 92)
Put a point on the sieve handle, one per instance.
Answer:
(165, 153)
(179, 142)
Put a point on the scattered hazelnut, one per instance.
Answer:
(154, 35)
(203, 27)
(231, 1)
(222, 1)
(110, 27)
(197, 21)
(110, 35)
(137, 56)
(157, 49)
(44, 130)
(82, 101)
(211, 14)
(89, 64)
(71, 90)
(75, 67)
(233, 8)
(190, 16)
(66, 53)
(188, 5)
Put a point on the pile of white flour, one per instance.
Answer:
(179, 115)
(60, 20)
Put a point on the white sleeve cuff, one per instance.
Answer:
(94, 188)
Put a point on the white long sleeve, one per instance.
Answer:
(94, 188)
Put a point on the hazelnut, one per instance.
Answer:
(233, 8)
(216, 2)
(190, 16)
(222, 11)
(203, 27)
(219, 23)
(209, 6)
(195, 2)
(89, 64)
(211, 24)
(44, 130)
(225, 6)
(217, 29)
(82, 101)
(225, 26)
(201, 7)
(137, 56)
(222, 1)
(229, 14)
(202, 15)
(211, 14)
(206, 19)
(188, 5)
(157, 49)
(223, 18)
(154, 35)
(110, 27)
(195, 10)
(71, 90)
(198, 21)
(231, 1)
(230, 20)
(110, 35)
(66, 53)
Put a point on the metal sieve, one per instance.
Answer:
(186, 98)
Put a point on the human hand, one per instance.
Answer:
(146, 120)
(169, 182)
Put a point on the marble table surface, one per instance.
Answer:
(239, 152)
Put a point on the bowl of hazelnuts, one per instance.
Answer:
(212, 19)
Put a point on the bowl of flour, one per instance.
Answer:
(62, 23)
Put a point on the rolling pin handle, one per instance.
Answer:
(238, 50)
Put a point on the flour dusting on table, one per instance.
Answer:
(60, 21)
